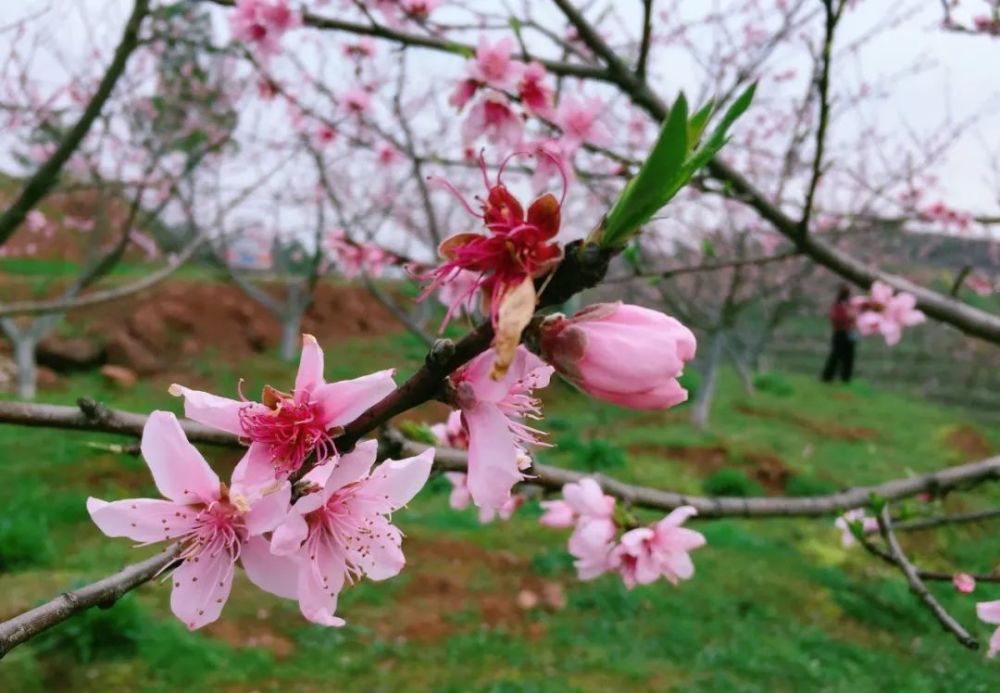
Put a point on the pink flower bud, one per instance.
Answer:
(964, 583)
(621, 353)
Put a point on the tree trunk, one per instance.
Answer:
(291, 336)
(27, 372)
(709, 377)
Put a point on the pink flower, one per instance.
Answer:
(517, 247)
(493, 65)
(581, 123)
(262, 24)
(356, 101)
(362, 48)
(558, 514)
(504, 512)
(964, 583)
(36, 221)
(419, 9)
(554, 159)
(989, 612)
(981, 285)
(493, 413)
(844, 522)
(388, 155)
(212, 523)
(324, 135)
(341, 533)
(646, 553)
(463, 93)
(535, 94)
(885, 313)
(621, 353)
(492, 116)
(459, 498)
(452, 433)
(284, 429)
(591, 544)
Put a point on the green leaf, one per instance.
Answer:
(653, 185)
(676, 156)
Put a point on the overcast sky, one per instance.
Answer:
(960, 81)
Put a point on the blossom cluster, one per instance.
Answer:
(640, 555)
(886, 312)
(298, 536)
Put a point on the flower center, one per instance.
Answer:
(290, 429)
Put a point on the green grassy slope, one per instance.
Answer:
(775, 605)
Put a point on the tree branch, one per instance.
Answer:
(46, 175)
(917, 585)
(103, 593)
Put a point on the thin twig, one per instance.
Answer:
(103, 593)
(917, 585)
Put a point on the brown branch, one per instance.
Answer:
(942, 520)
(935, 575)
(46, 175)
(832, 16)
(709, 267)
(105, 296)
(647, 39)
(103, 593)
(917, 585)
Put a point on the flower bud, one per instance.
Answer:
(621, 353)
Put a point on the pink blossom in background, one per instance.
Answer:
(964, 583)
(324, 135)
(213, 523)
(558, 514)
(459, 498)
(989, 612)
(388, 155)
(356, 101)
(419, 9)
(885, 313)
(493, 117)
(504, 512)
(493, 65)
(354, 258)
(261, 24)
(36, 221)
(461, 292)
(553, 159)
(981, 285)
(493, 413)
(942, 214)
(843, 523)
(363, 47)
(78, 223)
(580, 121)
(342, 532)
(452, 433)
(286, 428)
(535, 94)
(464, 91)
(647, 553)
(621, 353)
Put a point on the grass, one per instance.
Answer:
(775, 605)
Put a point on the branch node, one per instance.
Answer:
(440, 354)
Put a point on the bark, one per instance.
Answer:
(709, 379)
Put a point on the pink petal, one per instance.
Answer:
(310, 375)
(587, 498)
(289, 535)
(353, 466)
(492, 456)
(142, 519)
(397, 481)
(218, 412)
(320, 581)
(255, 470)
(380, 556)
(677, 517)
(278, 575)
(180, 472)
(201, 586)
(989, 612)
(344, 401)
(269, 511)
(678, 564)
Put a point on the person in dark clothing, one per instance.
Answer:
(842, 317)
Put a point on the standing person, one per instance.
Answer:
(842, 319)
